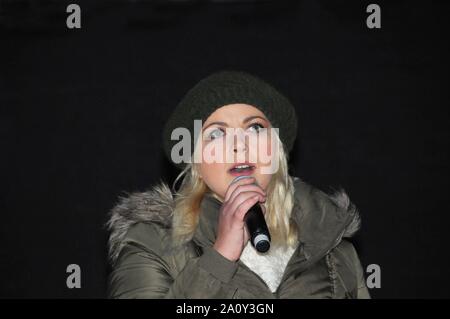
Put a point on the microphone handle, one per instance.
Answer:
(256, 225)
(257, 228)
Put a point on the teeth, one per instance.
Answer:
(240, 168)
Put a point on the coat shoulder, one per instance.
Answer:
(324, 218)
(149, 236)
(347, 253)
(143, 218)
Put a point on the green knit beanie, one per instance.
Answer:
(231, 87)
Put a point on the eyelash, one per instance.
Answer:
(259, 125)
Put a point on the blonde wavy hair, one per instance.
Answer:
(279, 203)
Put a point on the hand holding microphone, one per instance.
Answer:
(256, 225)
(233, 231)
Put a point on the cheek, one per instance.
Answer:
(213, 151)
(264, 149)
(268, 144)
(214, 176)
(268, 157)
(263, 180)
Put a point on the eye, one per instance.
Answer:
(215, 133)
(256, 127)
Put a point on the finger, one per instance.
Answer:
(233, 186)
(244, 207)
(246, 188)
(242, 197)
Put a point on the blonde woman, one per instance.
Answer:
(193, 242)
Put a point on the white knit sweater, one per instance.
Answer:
(269, 266)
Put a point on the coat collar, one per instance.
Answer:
(206, 231)
(323, 219)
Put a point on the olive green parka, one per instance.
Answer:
(148, 264)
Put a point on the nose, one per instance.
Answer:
(239, 142)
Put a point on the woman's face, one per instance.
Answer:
(236, 140)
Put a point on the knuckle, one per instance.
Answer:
(241, 209)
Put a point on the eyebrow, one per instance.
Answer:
(246, 120)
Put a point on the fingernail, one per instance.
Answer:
(239, 178)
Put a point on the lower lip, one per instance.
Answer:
(246, 172)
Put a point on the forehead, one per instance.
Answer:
(234, 112)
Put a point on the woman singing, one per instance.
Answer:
(194, 242)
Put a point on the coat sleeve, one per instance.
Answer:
(142, 272)
(351, 271)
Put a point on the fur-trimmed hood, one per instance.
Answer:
(323, 219)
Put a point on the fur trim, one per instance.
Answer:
(341, 200)
(156, 206)
(153, 206)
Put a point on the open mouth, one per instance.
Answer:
(242, 169)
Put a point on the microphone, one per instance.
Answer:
(256, 225)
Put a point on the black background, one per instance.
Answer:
(81, 114)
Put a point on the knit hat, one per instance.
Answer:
(231, 87)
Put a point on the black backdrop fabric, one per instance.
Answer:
(81, 114)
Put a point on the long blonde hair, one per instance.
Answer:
(279, 203)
